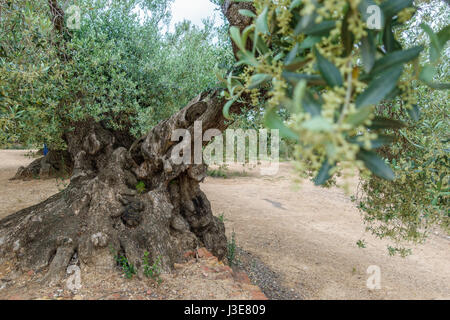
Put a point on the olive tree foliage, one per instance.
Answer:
(120, 67)
(357, 95)
(410, 206)
(191, 63)
(30, 74)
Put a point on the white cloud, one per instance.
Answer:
(193, 10)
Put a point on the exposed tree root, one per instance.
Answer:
(54, 164)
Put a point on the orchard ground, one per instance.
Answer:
(304, 235)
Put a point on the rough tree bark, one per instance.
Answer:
(101, 209)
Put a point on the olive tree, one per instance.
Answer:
(321, 63)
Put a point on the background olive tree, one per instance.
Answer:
(120, 67)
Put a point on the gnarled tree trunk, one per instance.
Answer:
(102, 210)
(57, 163)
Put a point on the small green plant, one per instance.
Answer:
(127, 267)
(232, 250)
(152, 271)
(222, 217)
(403, 252)
(140, 187)
(219, 173)
(239, 174)
(61, 184)
(361, 243)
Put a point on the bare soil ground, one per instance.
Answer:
(17, 195)
(201, 278)
(308, 236)
(299, 242)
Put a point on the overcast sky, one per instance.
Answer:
(194, 10)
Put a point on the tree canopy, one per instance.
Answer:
(119, 67)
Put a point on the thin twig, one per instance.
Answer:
(348, 95)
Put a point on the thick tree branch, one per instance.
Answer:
(57, 16)
(231, 11)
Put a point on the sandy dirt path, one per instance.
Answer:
(17, 195)
(307, 235)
